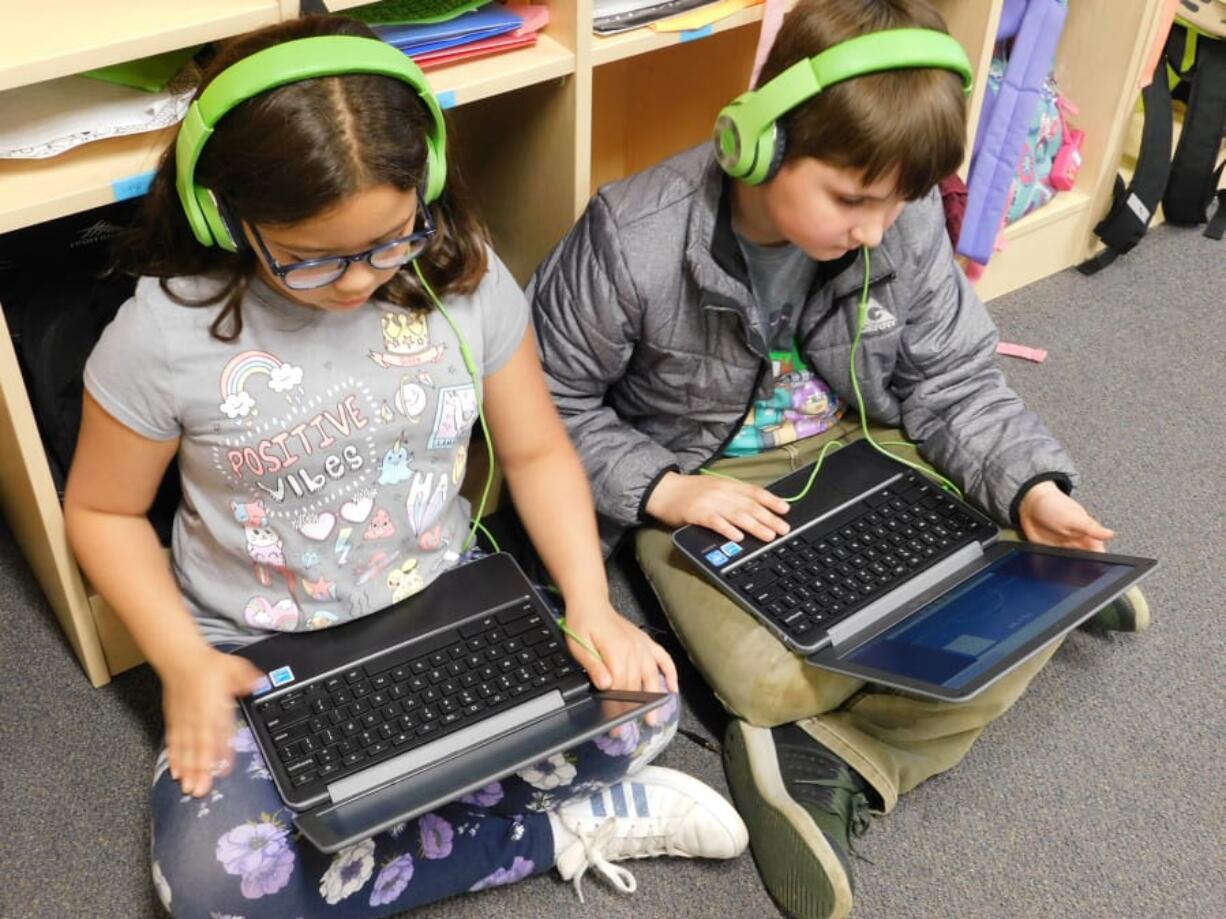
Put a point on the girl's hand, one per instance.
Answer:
(730, 508)
(198, 703)
(1051, 517)
(628, 660)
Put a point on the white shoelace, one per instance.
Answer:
(594, 843)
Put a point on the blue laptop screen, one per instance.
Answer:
(975, 626)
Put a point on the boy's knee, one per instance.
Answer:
(785, 691)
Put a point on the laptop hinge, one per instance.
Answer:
(842, 632)
(486, 729)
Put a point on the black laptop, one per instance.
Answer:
(397, 713)
(886, 577)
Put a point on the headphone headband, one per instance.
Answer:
(745, 132)
(292, 62)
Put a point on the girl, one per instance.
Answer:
(286, 349)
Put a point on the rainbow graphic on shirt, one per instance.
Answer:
(236, 400)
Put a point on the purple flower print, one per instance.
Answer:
(392, 880)
(665, 712)
(436, 836)
(350, 870)
(258, 853)
(620, 741)
(243, 741)
(520, 869)
(489, 795)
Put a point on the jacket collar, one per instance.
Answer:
(717, 265)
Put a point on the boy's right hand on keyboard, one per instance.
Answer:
(198, 704)
(728, 507)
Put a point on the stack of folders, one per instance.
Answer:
(435, 34)
(610, 16)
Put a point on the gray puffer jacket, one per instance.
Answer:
(644, 319)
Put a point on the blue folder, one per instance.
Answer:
(486, 22)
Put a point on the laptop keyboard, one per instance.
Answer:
(343, 723)
(813, 578)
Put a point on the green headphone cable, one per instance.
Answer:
(471, 365)
(861, 316)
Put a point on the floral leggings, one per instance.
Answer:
(234, 853)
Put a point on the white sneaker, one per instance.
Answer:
(657, 812)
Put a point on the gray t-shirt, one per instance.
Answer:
(780, 277)
(320, 453)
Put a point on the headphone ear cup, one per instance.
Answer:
(226, 232)
(765, 151)
(776, 154)
(436, 172)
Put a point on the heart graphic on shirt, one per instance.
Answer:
(357, 510)
(318, 526)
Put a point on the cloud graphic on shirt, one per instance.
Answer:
(238, 405)
(284, 378)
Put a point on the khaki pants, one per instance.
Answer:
(892, 740)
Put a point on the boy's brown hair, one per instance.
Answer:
(912, 121)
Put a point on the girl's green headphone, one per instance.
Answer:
(301, 59)
(749, 142)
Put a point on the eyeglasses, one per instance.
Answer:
(320, 272)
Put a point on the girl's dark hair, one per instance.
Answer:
(912, 121)
(295, 152)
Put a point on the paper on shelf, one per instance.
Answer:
(703, 16)
(45, 119)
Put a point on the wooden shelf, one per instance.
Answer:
(56, 38)
(641, 41)
(110, 170)
(1041, 243)
(496, 74)
(87, 176)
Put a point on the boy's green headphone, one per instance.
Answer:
(748, 141)
(301, 59)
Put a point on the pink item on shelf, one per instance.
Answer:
(772, 19)
(1009, 349)
(433, 59)
(1067, 162)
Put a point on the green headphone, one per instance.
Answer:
(748, 140)
(301, 59)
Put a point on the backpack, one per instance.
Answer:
(57, 299)
(1192, 69)
(1032, 29)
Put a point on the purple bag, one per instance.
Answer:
(1034, 27)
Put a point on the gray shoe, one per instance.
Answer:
(803, 805)
(1129, 612)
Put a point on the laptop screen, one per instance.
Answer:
(976, 625)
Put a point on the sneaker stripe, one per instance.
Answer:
(640, 799)
(618, 794)
(598, 808)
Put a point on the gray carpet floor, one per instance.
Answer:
(1099, 795)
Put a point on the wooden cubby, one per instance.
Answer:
(538, 130)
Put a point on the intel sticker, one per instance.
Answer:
(716, 557)
(281, 676)
(261, 687)
(731, 548)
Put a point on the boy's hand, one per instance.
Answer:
(730, 508)
(1051, 517)
(198, 703)
(629, 659)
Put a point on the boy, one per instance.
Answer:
(690, 318)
